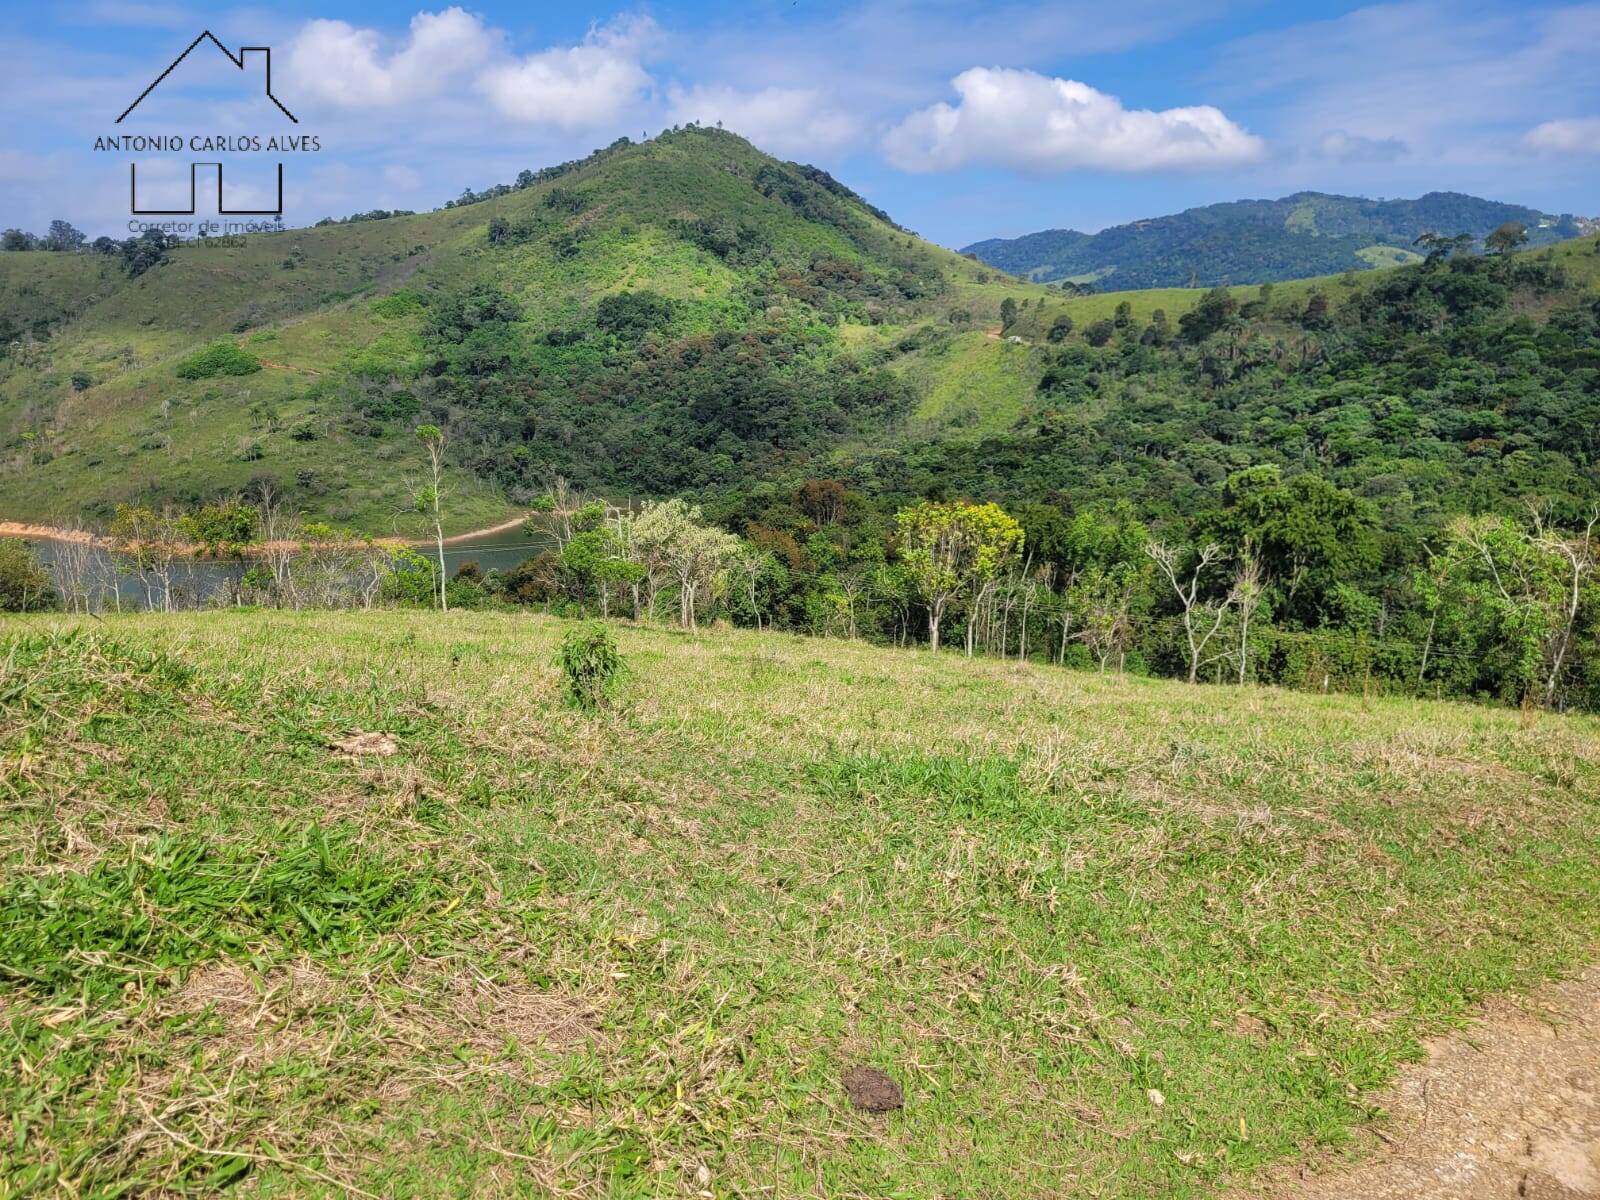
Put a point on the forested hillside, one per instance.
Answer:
(1260, 241)
(689, 307)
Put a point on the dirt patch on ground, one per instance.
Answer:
(467, 1011)
(1508, 1108)
(358, 745)
(255, 1018)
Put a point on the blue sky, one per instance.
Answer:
(963, 121)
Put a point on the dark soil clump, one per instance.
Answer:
(871, 1090)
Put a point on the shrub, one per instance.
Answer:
(24, 585)
(590, 665)
(397, 304)
(219, 358)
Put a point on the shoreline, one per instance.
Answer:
(54, 533)
(456, 538)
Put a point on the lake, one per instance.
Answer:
(196, 578)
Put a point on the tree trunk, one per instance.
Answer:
(438, 534)
(1244, 643)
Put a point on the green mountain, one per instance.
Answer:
(663, 316)
(1260, 241)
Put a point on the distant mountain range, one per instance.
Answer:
(1257, 241)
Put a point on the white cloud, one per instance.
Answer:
(1025, 120)
(574, 87)
(783, 120)
(338, 63)
(1448, 80)
(1341, 146)
(1579, 135)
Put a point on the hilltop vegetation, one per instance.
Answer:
(370, 906)
(722, 282)
(1260, 241)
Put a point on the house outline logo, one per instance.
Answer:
(238, 60)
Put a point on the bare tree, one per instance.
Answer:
(107, 578)
(430, 497)
(1249, 585)
(1196, 613)
(281, 531)
(148, 542)
(1577, 555)
(565, 503)
(73, 566)
(750, 562)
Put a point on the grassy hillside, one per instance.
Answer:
(342, 319)
(1107, 934)
(1257, 241)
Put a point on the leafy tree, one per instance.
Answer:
(219, 358)
(697, 555)
(1307, 534)
(24, 585)
(1316, 314)
(594, 561)
(1008, 313)
(1437, 248)
(633, 314)
(148, 250)
(591, 665)
(63, 237)
(223, 528)
(1212, 314)
(952, 548)
(1527, 587)
(1102, 596)
(1506, 238)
